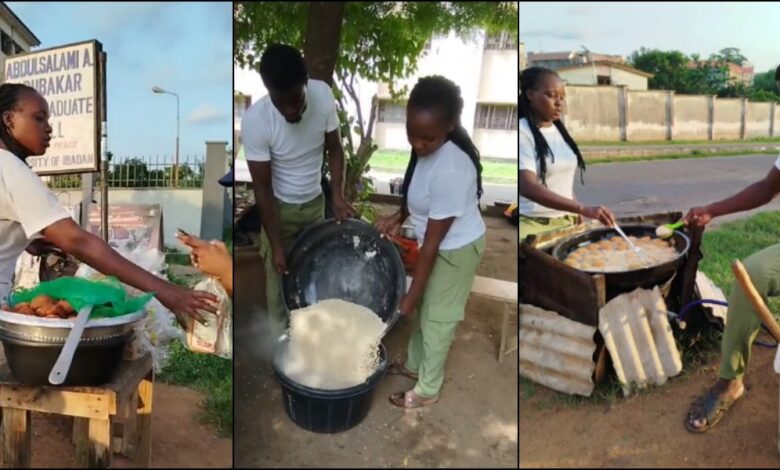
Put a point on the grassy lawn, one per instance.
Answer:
(756, 140)
(492, 172)
(212, 376)
(678, 156)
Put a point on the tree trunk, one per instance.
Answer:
(323, 36)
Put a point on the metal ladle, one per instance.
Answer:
(61, 368)
(640, 252)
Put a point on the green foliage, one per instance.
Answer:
(211, 375)
(675, 71)
(380, 42)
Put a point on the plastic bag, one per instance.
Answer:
(107, 295)
(159, 327)
(216, 336)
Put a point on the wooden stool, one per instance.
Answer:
(501, 291)
(125, 401)
(506, 293)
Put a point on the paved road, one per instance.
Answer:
(492, 192)
(665, 185)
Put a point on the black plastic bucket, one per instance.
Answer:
(327, 411)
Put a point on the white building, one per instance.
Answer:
(605, 73)
(15, 36)
(485, 69)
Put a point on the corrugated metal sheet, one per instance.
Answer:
(708, 290)
(555, 351)
(639, 338)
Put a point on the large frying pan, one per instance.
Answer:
(348, 261)
(626, 281)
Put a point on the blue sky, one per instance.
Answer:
(623, 27)
(182, 47)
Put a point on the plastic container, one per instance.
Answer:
(327, 411)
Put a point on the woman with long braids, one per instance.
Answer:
(549, 159)
(31, 215)
(441, 191)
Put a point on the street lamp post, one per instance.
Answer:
(157, 89)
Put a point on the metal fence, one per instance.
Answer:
(142, 172)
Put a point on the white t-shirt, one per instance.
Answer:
(560, 174)
(294, 150)
(444, 185)
(27, 206)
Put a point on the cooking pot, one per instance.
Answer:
(626, 281)
(33, 344)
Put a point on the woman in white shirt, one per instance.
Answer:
(29, 210)
(549, 159)
(441, 191)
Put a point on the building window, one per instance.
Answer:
(391, 112)
(17, 48)
(500, 41)
(496, 117)
(604, 80)
(6, 43)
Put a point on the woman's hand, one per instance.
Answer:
(186, 303)
(602, 213)
(389, 225)
(407, 306)
(211, 258)
(698, 217)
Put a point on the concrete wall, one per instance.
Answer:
(646, 115)
(631, 80)
(585, 76)
(495, 84)
(592, 113)
(691, 117)
(728, 119)
(580, 76)
(181, 207)
(600, 113)
(496, 143)
(757, 120)
(392, 135)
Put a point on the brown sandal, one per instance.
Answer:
(397, 367)
(410, 400)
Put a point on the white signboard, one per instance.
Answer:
(68, 78)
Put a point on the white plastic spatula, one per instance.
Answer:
(61, 368)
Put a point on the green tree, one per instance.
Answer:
(378, 42)
(131, 173)
(673, 70)
(669, 68)
(729, 54)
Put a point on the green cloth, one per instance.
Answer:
(540, 225)
(442, 308)
(293, 219)
(742, 323)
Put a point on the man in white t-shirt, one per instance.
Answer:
(284, 135)
(742, 323)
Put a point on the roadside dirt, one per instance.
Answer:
(648, 430)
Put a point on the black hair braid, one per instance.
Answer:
(437, 92)
(529, 80)
(10, 93)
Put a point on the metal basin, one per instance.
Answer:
(32, 346)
